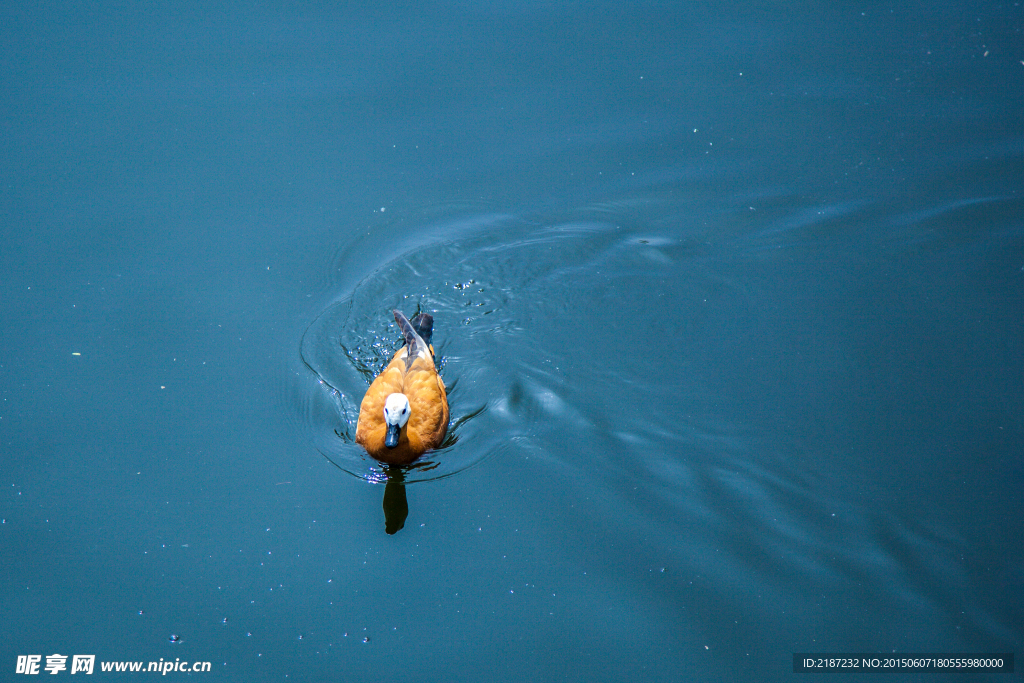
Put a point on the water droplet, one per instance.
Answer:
(366, 639)
(224, 620)
(141, 611)
(174, 638)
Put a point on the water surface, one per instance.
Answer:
(729, 299)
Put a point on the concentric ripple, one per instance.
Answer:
(486, 291)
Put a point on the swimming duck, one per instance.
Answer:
(405, 411)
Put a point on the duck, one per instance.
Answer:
(404, 413)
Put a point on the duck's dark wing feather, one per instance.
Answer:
(414, 344)
(424, 326)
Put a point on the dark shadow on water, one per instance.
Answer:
(395, 503)
(396, 506)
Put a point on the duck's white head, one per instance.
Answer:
(396, 414)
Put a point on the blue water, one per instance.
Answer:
(729, 299)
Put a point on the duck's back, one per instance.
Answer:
(428, 403)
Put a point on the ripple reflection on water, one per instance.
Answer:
(494, 296)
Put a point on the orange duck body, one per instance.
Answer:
(405, 411)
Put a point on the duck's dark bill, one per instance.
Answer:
(391, 438)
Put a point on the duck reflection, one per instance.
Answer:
(396, 506)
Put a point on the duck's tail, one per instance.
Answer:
(424, 326)
(415, 343)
